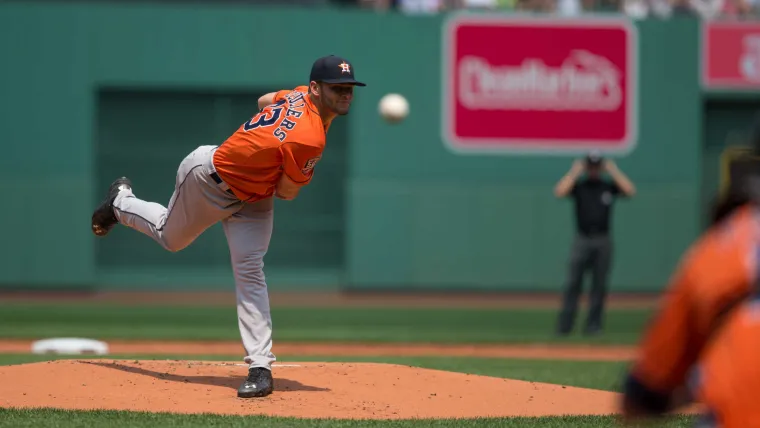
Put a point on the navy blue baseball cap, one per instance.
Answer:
(333, 69)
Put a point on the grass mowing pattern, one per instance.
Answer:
(21, 418)
(431, 325)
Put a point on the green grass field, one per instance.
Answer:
(429, 325)
(59, 418)
(326, 324)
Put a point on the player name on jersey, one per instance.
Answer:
(271, 114)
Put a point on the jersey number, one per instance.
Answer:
(265, 118)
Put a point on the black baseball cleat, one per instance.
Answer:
(103, 218)
(259, 383)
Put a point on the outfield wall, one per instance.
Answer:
(93, 92)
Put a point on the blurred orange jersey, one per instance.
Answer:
(727, 379)
(286, 137)
(707, 333)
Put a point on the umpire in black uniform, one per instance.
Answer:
(592, 247)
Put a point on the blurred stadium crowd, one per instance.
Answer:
(664, 9)
(637, 9)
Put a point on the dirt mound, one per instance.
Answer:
(311, 390)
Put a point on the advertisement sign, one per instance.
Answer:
(549, 86)
(731, 55)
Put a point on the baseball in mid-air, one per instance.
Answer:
(394, 107)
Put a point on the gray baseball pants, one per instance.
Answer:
(199, 202)
(587, 253)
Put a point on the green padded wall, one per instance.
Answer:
(131, 89)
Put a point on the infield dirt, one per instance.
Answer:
(310, 390)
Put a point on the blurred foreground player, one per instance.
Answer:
(703, 345)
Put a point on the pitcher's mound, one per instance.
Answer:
(310, 390)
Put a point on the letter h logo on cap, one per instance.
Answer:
(333, 69)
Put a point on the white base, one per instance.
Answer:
(70, 346)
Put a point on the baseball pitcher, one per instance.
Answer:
(271, 155)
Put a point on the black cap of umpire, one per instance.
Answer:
(594, 159)
(333, 69)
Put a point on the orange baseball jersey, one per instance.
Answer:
(727, 379)
(286, 137)
(687, 340)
